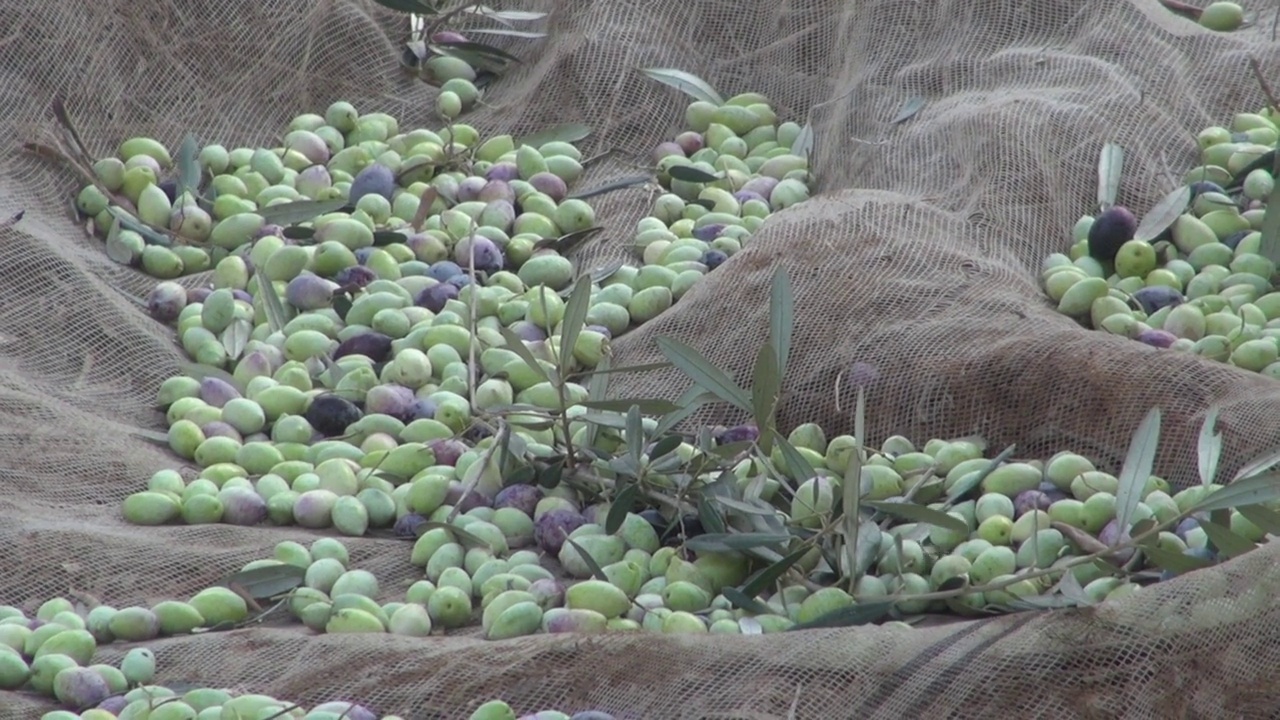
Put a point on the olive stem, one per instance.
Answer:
(1266, 86)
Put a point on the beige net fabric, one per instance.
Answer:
(920, 257)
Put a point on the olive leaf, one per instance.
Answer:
(766, 577)
(1252, 490)
(298, 232)
(919, 513)
(621, 505)
(478, 55)
(1136, 468)
(514, 15)
(765, 387)
(781, 316)
(691, 174)
(236, 336)
(625, 182)
(723, 542)
(742, 600)
(188, 166)
(962, 488)
(267, 582)
(1110, 165)
(1209, 446)
(1225, 540)
(1165, 212)
(803, 144)
(703, 373)
(648, 406)
(689, 84)
(1269, 246)
(589, 561)
(300, 211)
(567, 132)
(408, 6)
(575, 316)
(507, 33)
(274, 308)
(913, 105)
(860, 614)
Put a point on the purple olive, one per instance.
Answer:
(357, 275)
(521, 497)
(363, 254)
(389, 399)
(714, 259)
(443, 270)
(373, 345)
(309, 292)
(270, 230)
(447, 450)
(113, 704)
(1112, 228)
(737, 434)
(550, 185)
(374, 179)
(79, 687)
(601, 329)
(550, 530)
(1157, 338)
(458, 495)
(407, 525)
(217, 392)
(422, 408)
(689, 141)
(497, 190)
(217, 428)
(547, 592)
(435, 297)
(762, 186)
(707, 233)
(1110, 535)
(1155, 297)
(469, 189)
(166, 300)
(242, 295)
(459, 281)
(330, 414)
(666, 149)
(242, 506)
(1029, 500)
(488, 258)
(527, 331)
(744, 195)
(199, 295)
(504, 171)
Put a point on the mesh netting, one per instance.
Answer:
(919, 256)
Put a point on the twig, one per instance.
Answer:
(1266, 86)
(12, 220)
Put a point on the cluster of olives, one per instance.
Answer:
(1202, 285)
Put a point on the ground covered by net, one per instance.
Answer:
(919, 256)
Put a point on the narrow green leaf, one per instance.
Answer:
(765, 578)
(567, 243)
(407, 6)
(721, 542)
(608, 187)
(188, 166)
(648, 406)
(765, 385)
(513, 15)
(1040, 602)
(527, 475)
(860, 614)
(457, 532)
(781, 317)
(236, 336)
(744, 601)
(129, 222)
(802, 146)
(479, 55)
(665, 446)
(1110, 165)
(610, 420)
(268, 582)
(1137, 468)
(277, 318)
(517, 346)
(1174, 562)
(763, 509)
(913, 105)
(621, 505)
(568, 132)
(1263, 462)
(154, 436)
(689, 403)
(860, 417)
(298, 232)
(960, 489)
(1252, 490)
(1266, 160)
(507, 33)
(587, 560)
(712, 522)
(703, 373)
(1269, 246)
(797, 467)
(1209, 446)
(1160, 217)
(689, 84)
(919, 513)
(1266, 519)
(575, 316)
(1227, 542)
(643, 367)
(635, 435)
(688, 173)
(300, 211)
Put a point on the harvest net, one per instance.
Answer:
(919, 256)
